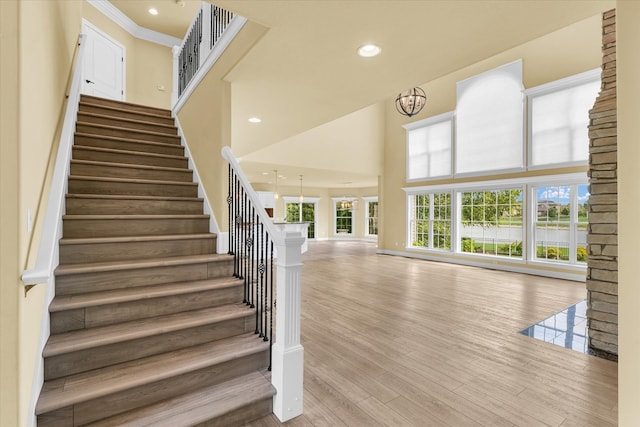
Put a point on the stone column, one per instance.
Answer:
(602, 267)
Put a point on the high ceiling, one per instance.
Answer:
(317, 98)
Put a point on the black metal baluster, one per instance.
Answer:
(229, 200)
(261, 278)
(213, 23)
(264, 292)
(245, 238)
(236, 195)
(253, 240)
(271, 306)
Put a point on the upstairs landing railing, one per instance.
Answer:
(211, 31)
(258, 246)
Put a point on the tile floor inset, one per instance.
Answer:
(567, 328)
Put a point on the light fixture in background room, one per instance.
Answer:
(411, 102)
(301, 196)
(153, 11)
(346, 203)
(275, 195)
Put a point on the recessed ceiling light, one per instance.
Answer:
(153, 11)
(255, 120)
(369, 50)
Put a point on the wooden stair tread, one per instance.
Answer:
(124, 119)
(104, 381)
(129, 166)
(117, 296)
(120, 128)
(132, 197)
(130, 180)
(83, 339)
(127, 239)
(122, 139)
(201, 405)
(128, 152)
(115, 109)
(71, 269)
(115, 217)
(161, 111)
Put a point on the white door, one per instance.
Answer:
(103, 67)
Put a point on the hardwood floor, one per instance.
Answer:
(391, 341)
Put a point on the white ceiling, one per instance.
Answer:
(316, 97)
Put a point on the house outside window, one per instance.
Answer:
(561, 221)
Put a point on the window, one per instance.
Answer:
(343, 219)
(309, 215)
(560, 232)
(489, 121)
(293, 212)
(430, 221)
(491, 222)
(302, 212)
(372, 216)
(559, 119)
(429, 148)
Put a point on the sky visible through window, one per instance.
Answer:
(562, 194)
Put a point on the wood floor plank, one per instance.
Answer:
(399, 341)
(382, 413)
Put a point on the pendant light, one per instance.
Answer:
(301, 196)
(411, 102)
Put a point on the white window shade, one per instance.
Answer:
(489, 121)
(559, 124)
(429, 148)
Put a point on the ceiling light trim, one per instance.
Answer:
(127, 24)
(369, 50)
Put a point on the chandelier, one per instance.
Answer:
(411, 102)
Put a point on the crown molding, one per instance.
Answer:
(113, 13)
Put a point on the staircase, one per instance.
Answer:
(147, 325)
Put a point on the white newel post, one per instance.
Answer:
(288, 354)
(174, 92)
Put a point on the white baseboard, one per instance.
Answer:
(577, 277)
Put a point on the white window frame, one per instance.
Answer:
(528, 218)
(426, 123)
(296, 199)
(573, 180)
(430, 221)
(368, 200)
(334, 231)
(522, 166)
(546, 89)
(492, 186)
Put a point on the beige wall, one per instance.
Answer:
(10, 296)
(325, 214)
(206, 122)
(35, 71)
(149, 65)
(569, 51)
(628, 65)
